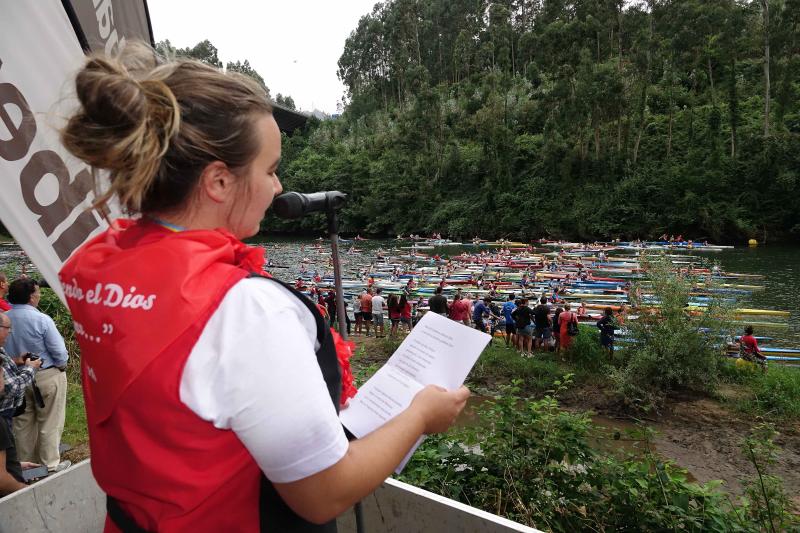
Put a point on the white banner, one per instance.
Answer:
(44, 192)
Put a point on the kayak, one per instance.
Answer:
(765, 312)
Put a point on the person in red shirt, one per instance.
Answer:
(4, 305)
(394, 313)
(366, 309)
(405, 312)
(566, 318)
(749, 348)
(459, 310)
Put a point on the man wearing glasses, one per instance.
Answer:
(17, 377)
(14, 380)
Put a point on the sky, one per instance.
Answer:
(295, 45)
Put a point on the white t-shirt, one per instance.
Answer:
(254, 371)
(377, 304)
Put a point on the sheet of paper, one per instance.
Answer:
(384, 396)
(439, 351)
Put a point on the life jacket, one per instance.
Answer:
(141, 296)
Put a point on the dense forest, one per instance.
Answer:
(587, 119)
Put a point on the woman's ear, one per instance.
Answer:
(217, 182)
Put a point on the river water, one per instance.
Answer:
(779, 264)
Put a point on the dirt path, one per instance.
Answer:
(704, 437)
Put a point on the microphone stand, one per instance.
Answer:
(333, 233)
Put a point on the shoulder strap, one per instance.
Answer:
(120, 518)
(310, 305)
(276, 516)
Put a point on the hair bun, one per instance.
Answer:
(130, 123)
(109, 95)
(124, 125)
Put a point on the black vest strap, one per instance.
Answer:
(120, 518)
(276, 516)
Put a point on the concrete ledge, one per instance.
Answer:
(71, 502)
(68, 502)
(399, 507)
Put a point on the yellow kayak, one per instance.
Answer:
(765, 312)
(743, 312)
(594, 296)
(736, 286)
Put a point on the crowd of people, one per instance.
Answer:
(370, 309)
(546, 323)
(33, 362)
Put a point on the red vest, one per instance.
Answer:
(140, 296)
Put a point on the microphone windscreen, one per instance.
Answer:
(288, 205)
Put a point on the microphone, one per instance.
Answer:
(295, 204)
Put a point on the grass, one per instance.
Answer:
(774, 395)
(499, 365)
(75, 429)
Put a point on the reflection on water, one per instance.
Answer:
(780, 268)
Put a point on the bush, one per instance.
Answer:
(767, 504)
(530, 461)
(586, 353)
(669, 349)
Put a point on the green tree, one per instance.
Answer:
(285, 101)
(243, 67)
(203, 51)
(591, 119)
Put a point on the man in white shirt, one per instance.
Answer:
(377, 311)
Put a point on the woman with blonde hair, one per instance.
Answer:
(211, 391)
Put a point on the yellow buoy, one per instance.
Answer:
(752, 242)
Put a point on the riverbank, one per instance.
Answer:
(702, 433)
